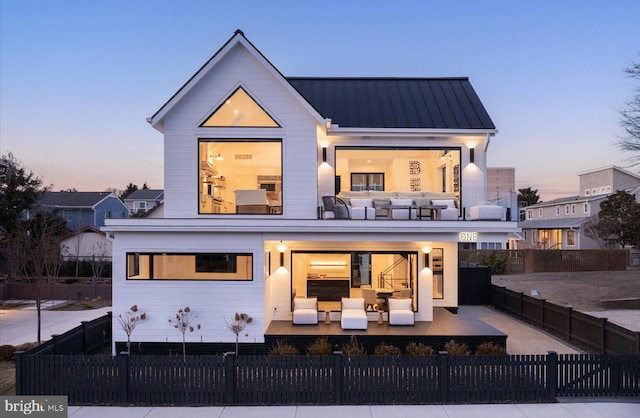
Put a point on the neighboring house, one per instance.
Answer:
(86, 244)
(558, 224)
(143, 200)
(81, 209)
(253, 160)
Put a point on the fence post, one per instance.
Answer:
(19, 357)
(603, 324)
(123, 371)
(337, 378)
(552, 374)
(55, 338)
(444, 376)
(230, 397)
(85, 344)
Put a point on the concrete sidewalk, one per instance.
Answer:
(18, 326)
(555, 410)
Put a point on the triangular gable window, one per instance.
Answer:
(240, 110)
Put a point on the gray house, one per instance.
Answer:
(143, 200)
(558, 224)
(82, 209)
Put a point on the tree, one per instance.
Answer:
(19, 191)
(630, 120)
(183, 323)
(528, 197)
(240, 322)
(34, 250)
(130, 189)
(618, 222)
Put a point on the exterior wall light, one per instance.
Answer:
(426, 260)
(472, 155)
(281, 249)
(324, 154)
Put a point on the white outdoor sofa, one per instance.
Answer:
(305, 311)
(354, 315)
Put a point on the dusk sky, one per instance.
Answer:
(79, 78)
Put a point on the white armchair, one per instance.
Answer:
(362, 209)
(305, 310)
(450, 213)
(401, 312)
(353, 314)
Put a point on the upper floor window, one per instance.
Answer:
(540, 213)
(586, 207)
(139, 207)
(566, 209)
(557, 210)
(398, 169)
(573, 209)
(240, 110)
(367, 181)
(529, 213)
(240, 176)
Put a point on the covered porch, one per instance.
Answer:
(446, 326)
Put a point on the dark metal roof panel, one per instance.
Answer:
(73, 199)
(437, 103)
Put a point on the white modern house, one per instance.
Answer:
(279, 187)
(559, 223)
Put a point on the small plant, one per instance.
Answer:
(455, 349)
(489, 348)
(420, 349)
(240, 321)
(352, 348)
(129, 321)
(183, 323)
(6, 352)
(320, 347)
(498, 264)
(282, 348)
(386, 350)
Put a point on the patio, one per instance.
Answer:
(446, 326)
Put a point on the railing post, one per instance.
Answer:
(230, 395)
(19, 357)
(552, 374)
(337, 378)
(123, 371)
(444, 376)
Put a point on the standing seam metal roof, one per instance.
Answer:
(436, 103)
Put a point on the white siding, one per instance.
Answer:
(298, 135)
(211, 301)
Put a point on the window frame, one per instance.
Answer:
(226, 139)
(151, 254)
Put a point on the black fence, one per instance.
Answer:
(89, 337)
(325, 380)
(593, 334)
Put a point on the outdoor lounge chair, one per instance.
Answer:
(305, 311)
(353, 315)
(335, 208)
(401, 312)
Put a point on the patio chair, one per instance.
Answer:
(353, 314)
(370, 299)
(305, 311)
(401, 312)
(335, 208)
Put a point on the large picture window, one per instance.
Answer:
(240, 176)
(204, 266)
(398, 169)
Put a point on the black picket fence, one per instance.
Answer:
(593, 334)
(88, 337)
(325, 380)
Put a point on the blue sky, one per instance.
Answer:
(79, 78)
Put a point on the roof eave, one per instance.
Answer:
(436, 132)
